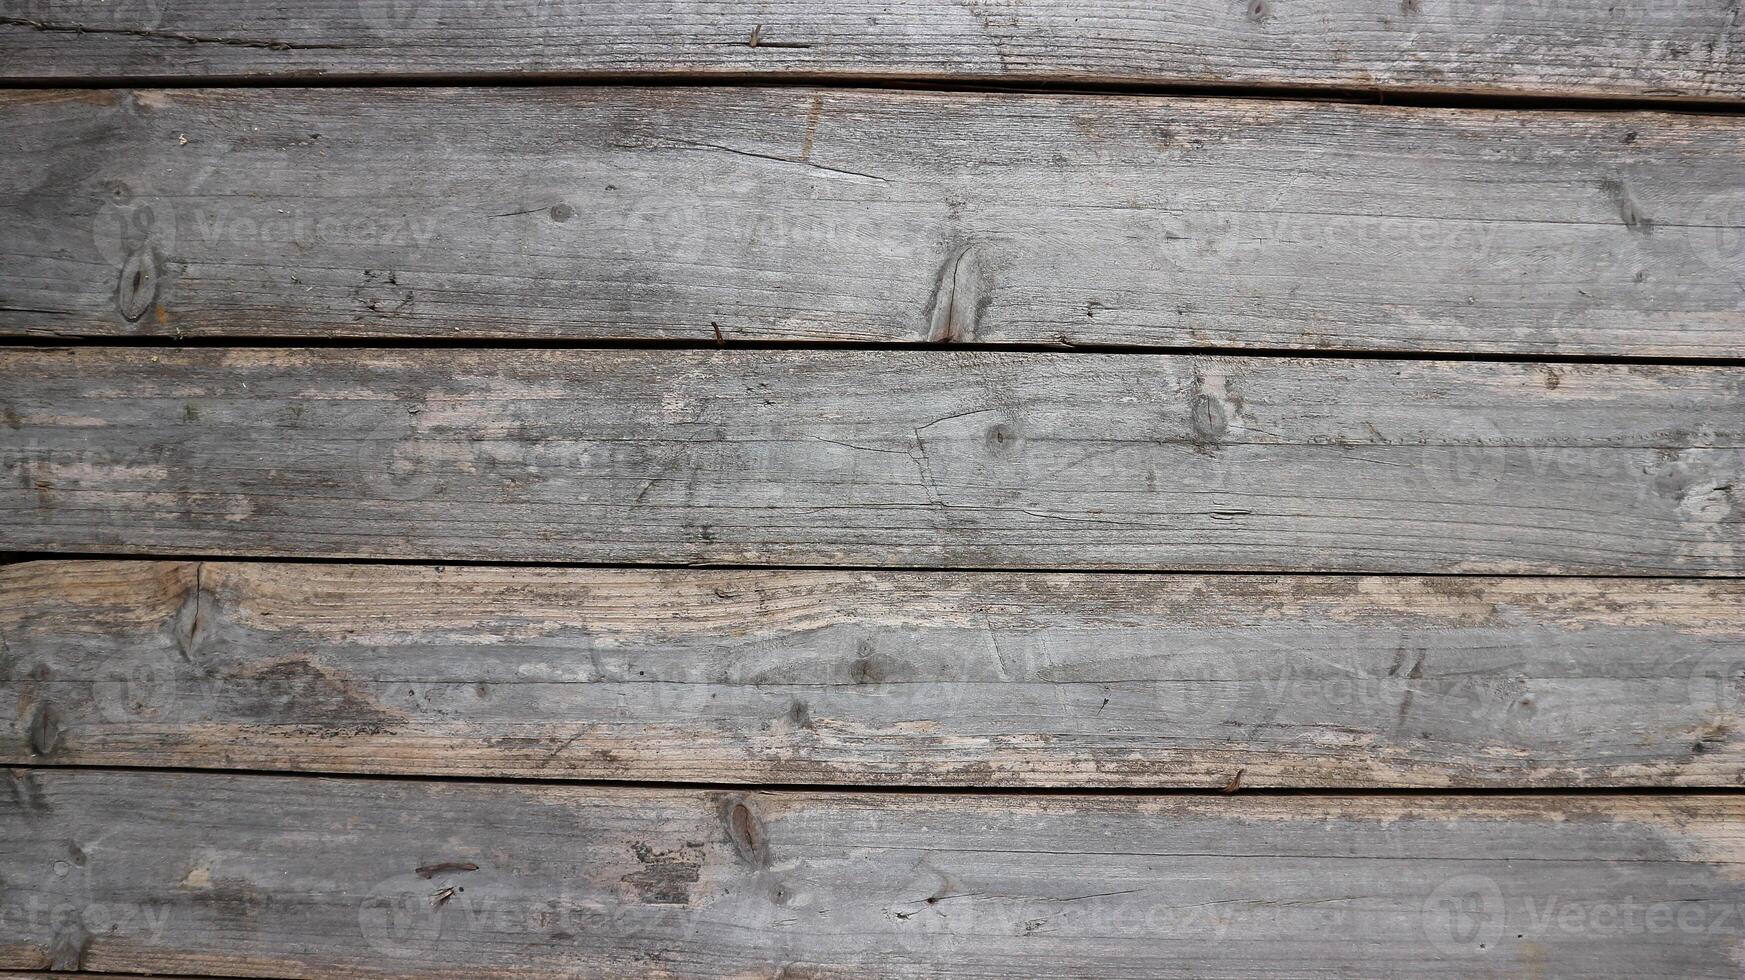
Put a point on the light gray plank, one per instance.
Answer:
(800, 215)
(967, 679)
(893, 458)
(1633, 48)
(295, 876)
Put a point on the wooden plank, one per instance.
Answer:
(274, 875)
(962, 679)
(875, 458)
(797, 215)
(60, 975)
(1686, 49)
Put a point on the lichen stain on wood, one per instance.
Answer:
(665, 877)
(323, 702)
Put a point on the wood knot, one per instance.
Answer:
(1207, 420)
(1628, 211)
(195, 617)
(71, 948)
(866, 668)
(746, 832)
(138, 287)
(1003, 438)
(45, 731)
(960, 297)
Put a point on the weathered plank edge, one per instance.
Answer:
(1537, 49)
(947, 679)
(198, 850)
(228, 268)
(965, 460)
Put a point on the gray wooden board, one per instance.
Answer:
(922, 458)
(1691, 49)
(235, 874)
(801, 215)
(972, 679)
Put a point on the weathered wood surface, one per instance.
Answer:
(875, 458)
(1633, 48)
(968, 679)
(789, 214)
(294, 876)
(60, 975)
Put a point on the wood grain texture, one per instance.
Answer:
(1688, 49)
(246, 875)
(965, 679)
(61, 975)
(797, 215)
(894, 458)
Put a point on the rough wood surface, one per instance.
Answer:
(61, 975)
(1631, 48)
(968, 679)
(875, 458)
(245, 875)
(790, 214)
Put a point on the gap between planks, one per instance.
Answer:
(1042, 790)
(990, 85)
(50, 342)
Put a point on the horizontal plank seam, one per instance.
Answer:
(1424, 98)
(16, 557)
(47, 342)
(910, 789)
